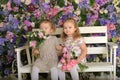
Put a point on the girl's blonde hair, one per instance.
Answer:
(76, 33)
(49, 22)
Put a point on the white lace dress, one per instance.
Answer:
(48, 54)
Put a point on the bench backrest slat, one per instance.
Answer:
(91, 38)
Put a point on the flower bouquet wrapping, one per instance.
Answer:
(69, 60)
(35, 38)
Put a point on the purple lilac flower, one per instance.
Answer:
(88, 19)
(17, 2)
(102, 2)
(2, 41)
(102, 21)
(113, 18)
(107, 22)
(9, 35)
(1, 12)
(11, 49)
(5, 12)
(118, 50)
(113, 33)
(1, 50)
(7, 71)
(33, 1)
(15, 24)
(45, 7)
(14, 40)
(23, 40)
(110, 8)
(84, 4)
(97, 1)
(10, 17)
(64, 17)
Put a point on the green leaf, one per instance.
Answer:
(71, 0)
(92, 2)
(82, 67)
(80, 24)
(3, 1)
(60, 3)
(75, 5)
(97, 23)
(83, 15)
(114, 39)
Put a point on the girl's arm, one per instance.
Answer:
(35, 51)
(83, 52)
(59, 48)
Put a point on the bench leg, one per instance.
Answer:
(114, 75)
(111, 76)
(19, 76)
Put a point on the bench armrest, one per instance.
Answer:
(21, 48)
(18, 51)
(113, 45)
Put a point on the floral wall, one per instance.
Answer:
(17, 17)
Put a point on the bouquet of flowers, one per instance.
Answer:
(35, 38)
(69, 60)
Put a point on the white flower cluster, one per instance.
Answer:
(116, 3)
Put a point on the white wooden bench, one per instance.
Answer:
(106, 66)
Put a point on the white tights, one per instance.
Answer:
(73, 72)
(54, 74)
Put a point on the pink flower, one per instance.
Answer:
(1, 24)
(65, 50)
(68, 9)
(60, 22)
(69, 67)
(111, 26)
(9, 6)
(37, 13)
(62, 60)
(33, 44)
(53, 12)
(96, 6)
(64, 67)
(27, 23)
(40, 35)
(9, 35)
(69, 55)
(15, 9)
(65, 55)
(73, 62)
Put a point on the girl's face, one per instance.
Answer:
(46, 27)
(69, 28)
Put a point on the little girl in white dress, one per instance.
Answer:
(48, 54)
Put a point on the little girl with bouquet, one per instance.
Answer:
(74, 48)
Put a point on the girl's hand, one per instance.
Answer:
(59, 47)
(35, 51)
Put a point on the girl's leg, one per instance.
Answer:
(54, 73)
(74, 73)
(35, 73)
(61, 74)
